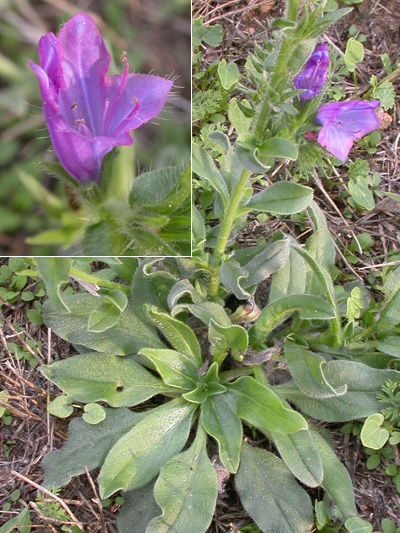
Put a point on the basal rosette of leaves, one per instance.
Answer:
(221, 379)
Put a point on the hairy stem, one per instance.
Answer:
(224, 232)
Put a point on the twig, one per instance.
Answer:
(51, 495)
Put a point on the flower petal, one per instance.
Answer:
(150, 93)
(50, 59)
(336, 140)
(84, 64)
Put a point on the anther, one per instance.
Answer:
(123, 55)
(134, 100)
(74, 105)
(80, 121)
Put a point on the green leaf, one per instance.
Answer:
(386, 94)
(223, 339)
(265, 263)
(93, 377)
(205, 311)
(138, 456)
(61, 407)
(290, 278)
(22, 521)
(163, 190)
(372, 434)
(108, 314)
(262, 408)
(208, 385)
(308, 305)
(86, 446)
(94, 413)
(204, 167)
(139, 508)
(191, 479)
(336, 481)
(361, 193)
(390, 346)
(220, 422)
(55, 272)
(307, 369)
(126, 337)
(211, 35)
(103, 238)
(228, 74)
(300, 456)
(270, 494)
(357, 525)
(390, 314)
(281, 198)
(362, 382)
(354, 54)
(279, 147)
(231, 276)
(237, 118)
(178, 334)
(176, 369)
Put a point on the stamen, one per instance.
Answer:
(122, 124)
(74, 106)
(104, 116)
(82, 125)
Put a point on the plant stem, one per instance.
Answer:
(355, 83)
(224, 232)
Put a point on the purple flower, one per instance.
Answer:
(313, 75)
(342, 122)
(87, 112)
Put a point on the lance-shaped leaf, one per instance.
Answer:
(86, 446)
(232, 275)
(275, 313)
(320, 246)
(390, 314)
(270, 494)
(233, 338)
(55, 272)
(336, 481)
(300, 456)
(181, 288)
(191, 479)
(203, 166)
(205, 311)
(92, 377)
(150, 288)
(281, 198)
(265, 263)
(307, 369)
(138, 509)
(127, 336)
(107, 315)
(176, 369)
(363, 383)
(290, 279)
(261, 407)
(178, 334)
(220, 422)
(138, 456)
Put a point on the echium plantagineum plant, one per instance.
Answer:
(88, 114)
(221, 368)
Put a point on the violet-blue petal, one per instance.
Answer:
(313, 76)
(85, 62)
(150, 92)
(342, 122)
(336, 140)
(50, 59)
